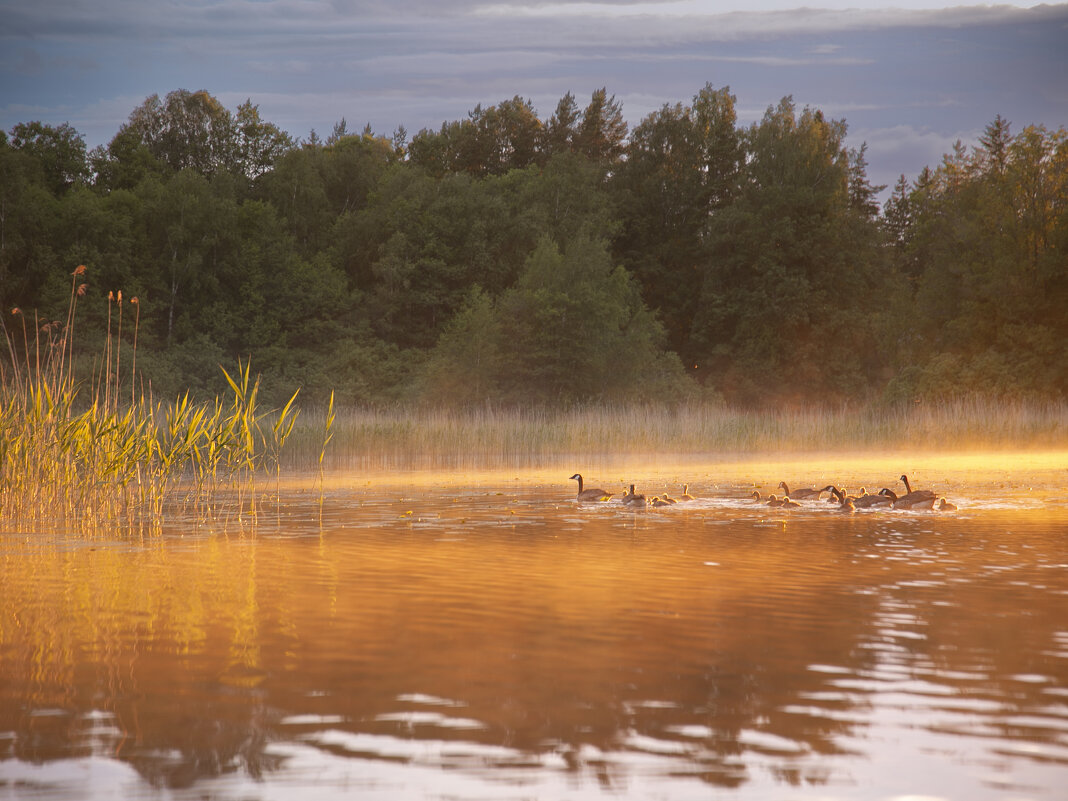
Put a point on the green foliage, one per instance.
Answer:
(573, 329)
(57, 153)
(791, 277)
(683, 168)
(190, 130)
(490, 141)
(507, 258)
(601, 135)
(981, 243)
(509, 136)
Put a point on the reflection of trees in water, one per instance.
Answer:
(201, 743)
(170, 743)
(610, 655)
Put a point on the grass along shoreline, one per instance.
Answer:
(367, 438)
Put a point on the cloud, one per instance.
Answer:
(908, 79)
(695, 8)
(889, 149)
(295, 20)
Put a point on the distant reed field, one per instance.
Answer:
(423, 438)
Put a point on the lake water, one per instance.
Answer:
(479, 635)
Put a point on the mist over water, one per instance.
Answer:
(481, 635)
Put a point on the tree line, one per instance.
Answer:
(514, 259)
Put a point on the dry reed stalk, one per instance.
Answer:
(118, 351)
(133, 366)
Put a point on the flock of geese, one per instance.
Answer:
(886, 497)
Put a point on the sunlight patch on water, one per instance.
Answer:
(443, 753)
(311, 720)
(428, 700)
(412, 719)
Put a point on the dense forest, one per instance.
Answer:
(519, 260)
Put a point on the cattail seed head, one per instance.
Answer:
(133, 299)
(120, 296)
(111, 295)
(79, 270)
(16, 310)
(82, 288)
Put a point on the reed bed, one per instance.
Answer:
(402, 437)
(75, 455)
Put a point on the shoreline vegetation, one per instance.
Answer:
(81, 454)
(416, 438)
(75, 454)
(526, 260)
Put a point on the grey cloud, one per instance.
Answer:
(907, 82)
(120, 19)
(889, 148)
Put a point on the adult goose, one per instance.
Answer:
(686, 496)
(914, 499)
(919, 494)
(591, 494)
(868, 499)
(633, 499)
(802, 492)
(909, 501)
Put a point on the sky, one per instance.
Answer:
(909, 77)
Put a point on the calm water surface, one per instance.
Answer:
(482, 636)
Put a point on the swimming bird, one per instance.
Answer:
(773, 501)
(845, 502)
(589, 494)
(910, 492)
(946, 506)
(633, 499)
(866, 499)
(755, 496)
(802, 492)
(911, 501)
(686, 496)
(657, 501)
(789, 504)
(668, 498)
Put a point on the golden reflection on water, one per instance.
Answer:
(480, 635)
